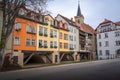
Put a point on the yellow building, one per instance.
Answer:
(47, 40)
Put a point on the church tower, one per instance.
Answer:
(79, 18)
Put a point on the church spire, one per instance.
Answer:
(79, 10)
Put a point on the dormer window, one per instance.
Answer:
(46, 20)
(60, 24)
(51, 22)
(56, 23)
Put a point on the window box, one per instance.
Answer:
(71, 48)
(41, 34)
(51, 36)
(45, 35)
(45, 46)
(52, 25)
(51, 46)
(55, 46)
(45, 23)
(40, 46)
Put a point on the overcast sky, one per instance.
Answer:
(94, 11)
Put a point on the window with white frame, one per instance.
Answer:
(99, 36)
(74, 38)
(33, 42)
(45, 31)
(40, 43)
(100, 44)
(60, 24)
(55, 33)
(45, 43)
(65, 36)
(117, 33)
(60, 45)
(60, 35)
(107, 52)
(106, 43)
(46, 20)
(66, 45)
(55, 43)
(51, 22)
(100, 52)
(51, 32)
(16, 40)
(118, 43)
(33, 29)
(51, 44)
(106, 35)
(28, 28)
(17, 25)
(40, 30)
(27, 42)
(56, 23)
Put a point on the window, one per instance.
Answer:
(33, 29)
(100, 52)
(16, 41)
(117, 33)
(106, 43)
(17, 25)
(60, 35)
(107, 52)
(40, 30)
(55, 44)
(40, 43)
(27, 42)
(51, 22)
(33, 42)
(74, 46)
(51, 32)
(60, 45)
(99, 36)
(45, 43)
(74, 38)
(66, 45)
(28, 28)
(117, 43)
(60, 24)
(100, 44)
(65, 36)
(45, 31)
(74, 30)
(51, 44)
(106, 35)
(46, 20)
(55, 33)
(56, 23)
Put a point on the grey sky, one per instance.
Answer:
(94, 11)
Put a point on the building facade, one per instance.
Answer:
(108, 39)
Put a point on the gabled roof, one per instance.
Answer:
(68, 20)
(87, 28)
(105, 21)
(117, 23)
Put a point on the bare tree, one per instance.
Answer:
(10, 11)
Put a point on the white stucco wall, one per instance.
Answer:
(112, 44)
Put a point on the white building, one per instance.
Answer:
(108, 39)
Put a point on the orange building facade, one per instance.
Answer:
(24, 36)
